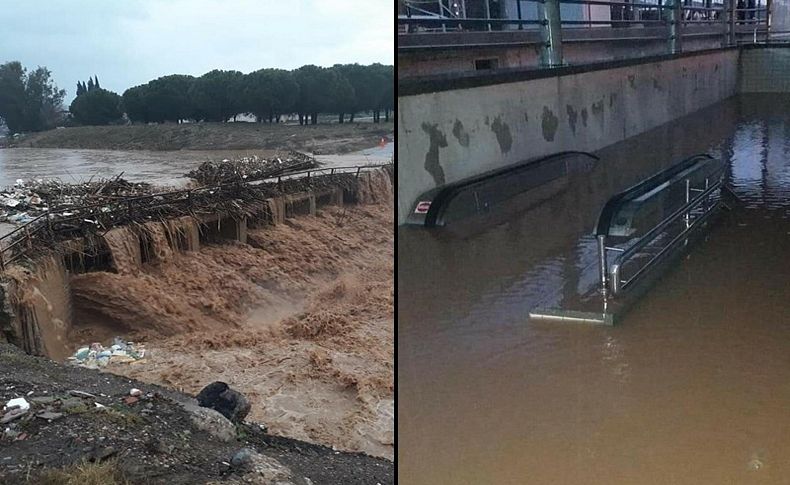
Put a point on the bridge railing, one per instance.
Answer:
(547, 23)
(21, 241)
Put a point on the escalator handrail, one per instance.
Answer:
(448, 192)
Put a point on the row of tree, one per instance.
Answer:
(30, 101)
(267, 94)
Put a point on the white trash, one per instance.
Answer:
(19, 402)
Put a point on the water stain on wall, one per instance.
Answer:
(612, 97)
(584, 117)
(437, 140)
(502, 132)
(632, 80)
(597, 108)
(549, 124)
(572, 115)
(597, 111)
(460, 133)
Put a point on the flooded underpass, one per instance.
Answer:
(690, 387)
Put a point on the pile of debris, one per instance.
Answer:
(250, 168)
(26, 200)
(96, 355)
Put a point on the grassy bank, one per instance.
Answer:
(334, 138)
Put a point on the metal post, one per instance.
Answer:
(518, 14)
(441, 14)
(27, 238)
(725, 25)
(488, 13)
(768, 7)
(731, 7)
(675, 23)
(603, 267)
(688, 199)
(550, 33)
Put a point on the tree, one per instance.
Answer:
(96, 107)
(167, 99)
(316, 86)
(217, 95)
(362, 79)
(268, 93)
(96, 83)
(134, 104)
(80, 89)
(387, 91)
(29, 101)
(341, 98)
(383, 82)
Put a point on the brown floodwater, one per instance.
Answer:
(157, 167)
(693, 387)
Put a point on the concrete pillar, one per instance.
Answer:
(675, 26)
(550, 32)
(731, 31)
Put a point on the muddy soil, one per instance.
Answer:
(300, 320)
(317, 139)
(152, 440)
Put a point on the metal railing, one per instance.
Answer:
(634, 249)
(734, 21)
(21, 241)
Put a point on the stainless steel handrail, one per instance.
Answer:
(695, 209)
(624, 257)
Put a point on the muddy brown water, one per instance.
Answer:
(157, 167)
(692, 388)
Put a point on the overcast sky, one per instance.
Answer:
(129, 42)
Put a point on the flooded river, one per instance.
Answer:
(692, 388)
(159, 167)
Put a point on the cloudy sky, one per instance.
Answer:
(129, 42)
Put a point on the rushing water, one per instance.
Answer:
(692, 388)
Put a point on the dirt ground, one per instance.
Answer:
(300, 320)
(317, 139)
(149, 441)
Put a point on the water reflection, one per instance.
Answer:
(689, 389)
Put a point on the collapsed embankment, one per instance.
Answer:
(326, 138)
(295, 310)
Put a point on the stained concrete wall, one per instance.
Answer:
(451, 134)
(429, 62)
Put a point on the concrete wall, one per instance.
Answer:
(451, 134)
(430, 62)
(765, 70)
